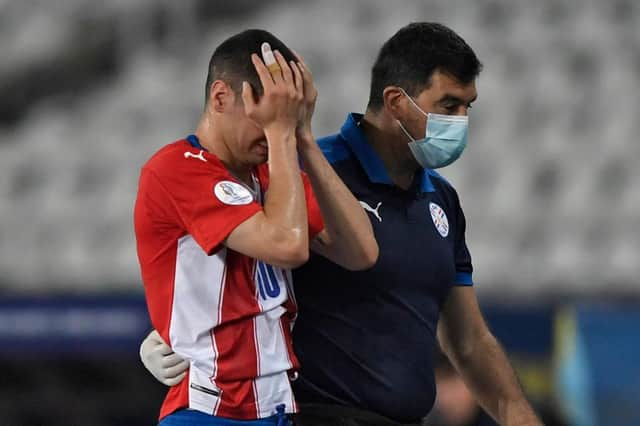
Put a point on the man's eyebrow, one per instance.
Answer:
(455, 100)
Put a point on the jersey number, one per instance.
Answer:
(268, 284)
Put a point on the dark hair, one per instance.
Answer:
(413, 54)
(231, 61)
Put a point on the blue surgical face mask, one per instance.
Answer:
(445, 138)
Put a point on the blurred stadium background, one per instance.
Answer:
(549, 183)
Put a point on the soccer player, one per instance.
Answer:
(218, 230)
(366, 339)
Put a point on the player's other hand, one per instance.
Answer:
(310, 97)
(166, 366)
(280, 107)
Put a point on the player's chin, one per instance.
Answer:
(260, 151)
(260, 159)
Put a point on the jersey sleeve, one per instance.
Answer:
(210, 203)
(464, 268)
(314, 216)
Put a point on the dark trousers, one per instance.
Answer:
(338, 415)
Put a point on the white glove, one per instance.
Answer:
(165, 365)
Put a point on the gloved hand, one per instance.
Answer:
(165, 365)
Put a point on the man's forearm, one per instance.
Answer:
(347, 224)
(487, 371)
(285, 205)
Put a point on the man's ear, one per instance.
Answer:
(221, 97)
(394, 101)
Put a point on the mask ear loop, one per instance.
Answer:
(411, 138)
(413, 102)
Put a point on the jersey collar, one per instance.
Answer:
(195, 142)
(371, 163)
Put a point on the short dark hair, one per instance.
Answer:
(231, 61)
(411, 56)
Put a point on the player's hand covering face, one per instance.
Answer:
(281, 104)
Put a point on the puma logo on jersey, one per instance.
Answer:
(370, 209)
(199, 156)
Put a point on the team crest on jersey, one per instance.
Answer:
(232, 193)
(439, 219)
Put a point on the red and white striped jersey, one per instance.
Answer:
(229, 315)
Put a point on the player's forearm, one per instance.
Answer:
(285, 204)
(347, 225)
(486, 369)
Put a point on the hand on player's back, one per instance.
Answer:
(158, 357)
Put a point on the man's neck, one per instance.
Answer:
(213, 141)
(381, 132)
